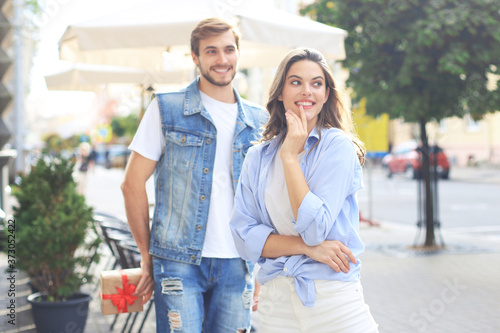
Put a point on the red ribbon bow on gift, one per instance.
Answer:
(124, 295)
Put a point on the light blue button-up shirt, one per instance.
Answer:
(329, 211)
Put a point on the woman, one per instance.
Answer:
(296, 212)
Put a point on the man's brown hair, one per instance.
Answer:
(211, 27)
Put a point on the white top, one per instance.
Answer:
(150, 142)
(277, 199)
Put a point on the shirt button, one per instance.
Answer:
(205, 171)
(285, 269)
(183, 139)
(198, 227)
(209, 141)
(203, 197)
(193, 257)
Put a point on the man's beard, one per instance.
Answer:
(209, 78)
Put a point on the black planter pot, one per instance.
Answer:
(60, 317)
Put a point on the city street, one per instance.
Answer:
(468, 199)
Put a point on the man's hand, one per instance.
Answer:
(145, 287)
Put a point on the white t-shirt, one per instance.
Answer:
(277, 199)
(149, 142)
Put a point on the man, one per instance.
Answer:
(194, 141)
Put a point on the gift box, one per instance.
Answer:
(117, 289)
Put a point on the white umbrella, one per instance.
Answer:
(89, 77)
(139, 37)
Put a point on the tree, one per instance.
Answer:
(420, 60)
(55, 228)
(125, 126)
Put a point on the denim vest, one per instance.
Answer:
(183, 175)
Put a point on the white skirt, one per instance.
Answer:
(339, 308)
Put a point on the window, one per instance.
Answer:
(472, 125)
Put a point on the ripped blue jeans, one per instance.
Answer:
(215, 296)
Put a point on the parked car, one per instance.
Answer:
(112, 156)
(406, 158)
(118, 156)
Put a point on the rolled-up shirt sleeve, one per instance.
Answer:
(330, 182)
(249, 233)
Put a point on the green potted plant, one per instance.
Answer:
(56, 242)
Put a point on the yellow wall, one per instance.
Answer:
(374, 132)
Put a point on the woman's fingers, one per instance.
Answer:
(295, 125)
(334, 266)
(349, 254)
(334, 254)
(298, 120)
(294, 140)
(342, 263)
(303, 117)
(292, 121)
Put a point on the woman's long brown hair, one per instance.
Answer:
(333, 114)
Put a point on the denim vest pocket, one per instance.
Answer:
(182, 149)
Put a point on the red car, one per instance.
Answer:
(406, 159)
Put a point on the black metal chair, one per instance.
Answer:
(111, 230)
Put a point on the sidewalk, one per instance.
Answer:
(456, 290)
(481, 173)
(487, 173)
